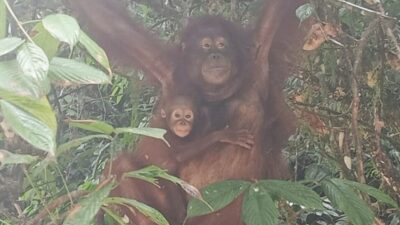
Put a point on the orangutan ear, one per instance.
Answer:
(163, 114)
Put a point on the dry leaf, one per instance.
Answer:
(299, 98)
(393, 60)
(347, 162)
(372, 2)
(372, 78)
(314, 122)
(318, 34)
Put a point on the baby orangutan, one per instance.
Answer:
(187, 128)
(188, 136)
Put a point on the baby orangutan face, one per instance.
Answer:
(179, 114)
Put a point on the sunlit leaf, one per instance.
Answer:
(30, 128)
(45, 40)
(34, 65)
(293, 192)
(305, 11)
(40, 108)
(7, 157)
(95, 50)
(3, 19)
(258, 207)
(9, 44)
(79, 141)
(62, 27)
(146, 210)
(376, 193)
(12, 79)
(217, 195)
(344, 198)
(68, 72)
(85, 211)
(92, 125)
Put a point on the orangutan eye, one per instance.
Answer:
(188, 116)
(220, 45)
(206, 43)
(177, 115)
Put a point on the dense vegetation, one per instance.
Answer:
(65, 110)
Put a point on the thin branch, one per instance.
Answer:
(366, 9)
(17, 21)
(55, 204)
(356, 98)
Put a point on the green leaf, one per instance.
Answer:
(29, 127)
(344, 198)
(110, 216)
(12, 79)
(34, 65)
(44, 40)
(258, 207)
(217, 195)
(85, 211)
(293, 192)
(146, 131)
(40, 108)
(7, 157)
(9, 44)
(95, 50)
(77, 142)
(3, 19)
(92, 125)
(305, 11)
(378, 194)
(62, 27)
(68, 72)
(151, 173)
(146, 210)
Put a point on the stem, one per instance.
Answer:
(17, 21)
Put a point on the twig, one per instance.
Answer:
(366, 9)
(17, 21)
(55, 204)
(356, 98)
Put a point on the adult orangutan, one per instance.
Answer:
(231, 73)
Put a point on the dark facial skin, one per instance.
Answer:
(179, 115)
(212, 62)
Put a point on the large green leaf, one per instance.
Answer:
(258, 207)
(85, 211)
(7, 157)
(29, 127)
(217, 195)
(44, 40)
(293, 192)
(344, 198)
(146, 131)
(146, 210)
(3, 19)
(62, 27)
(95, 51)
(12, 79)
(92, 125)
(378, 194)
(9, 44)
(77, 142)
(35, 65)
(68, 72)
(40, 108)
